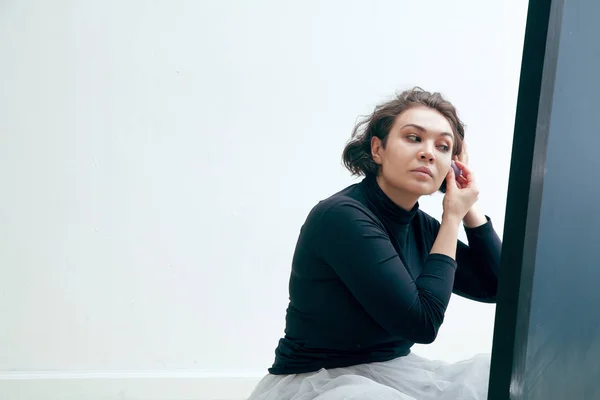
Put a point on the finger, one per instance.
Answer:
(466, 171)
(462, 181)
(451, 184)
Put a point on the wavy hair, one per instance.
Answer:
(357, 157)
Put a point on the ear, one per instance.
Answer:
(376, 148)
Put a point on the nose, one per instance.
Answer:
(426, 153)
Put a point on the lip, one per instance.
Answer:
(424, 170)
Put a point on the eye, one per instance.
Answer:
(444, 148)
(413, 137)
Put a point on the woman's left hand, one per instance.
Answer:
(475, 217)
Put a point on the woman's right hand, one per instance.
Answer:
(460, 195)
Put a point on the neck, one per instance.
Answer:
(401, 198)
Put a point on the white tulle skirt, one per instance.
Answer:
(405, 378)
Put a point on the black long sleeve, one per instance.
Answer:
(364, 286)
(359, 250)
(478, 262)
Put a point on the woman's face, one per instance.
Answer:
(417, 154)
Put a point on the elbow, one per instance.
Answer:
(420, 322)
(425, 336)
(421, 329)
(489, 296)
(492, 292)
(490, 299)
(427, 320)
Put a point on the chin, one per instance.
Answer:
(430, 192)
(422, 190)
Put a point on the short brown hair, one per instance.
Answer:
(357, 153)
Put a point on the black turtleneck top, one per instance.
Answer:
(364, 286)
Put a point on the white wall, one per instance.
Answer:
(157, 160)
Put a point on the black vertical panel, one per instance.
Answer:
(547, 333)
(563, 346)
(534, 108)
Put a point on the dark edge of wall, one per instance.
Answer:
(524, 198)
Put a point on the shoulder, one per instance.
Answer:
(345, 208)
(339, 207)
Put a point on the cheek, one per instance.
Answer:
(395, 153)
(444, 167)
(445, 162)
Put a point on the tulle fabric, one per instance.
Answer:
(406, 378)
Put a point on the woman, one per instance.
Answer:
(372, 274)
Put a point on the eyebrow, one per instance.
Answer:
(420, 128)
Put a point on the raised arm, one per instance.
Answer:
(357, 247)
(478, 260)
(479, 263)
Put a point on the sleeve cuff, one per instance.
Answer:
(443, 258)
(484, 227)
